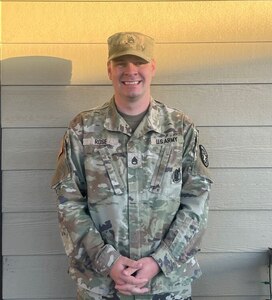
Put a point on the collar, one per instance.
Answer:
(150, 122)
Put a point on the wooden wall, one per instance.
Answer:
(214, 62)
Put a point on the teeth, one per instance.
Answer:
(131, 82)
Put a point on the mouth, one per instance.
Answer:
(131, 83)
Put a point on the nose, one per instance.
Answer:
(131, 69)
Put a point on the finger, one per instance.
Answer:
(132, 263)
(127, 289)
(129, 271)
(134, 280)
(120, 282)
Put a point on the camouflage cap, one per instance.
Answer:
(130, 43)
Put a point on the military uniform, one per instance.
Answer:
(136, 194)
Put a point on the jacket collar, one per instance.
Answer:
(151, 121)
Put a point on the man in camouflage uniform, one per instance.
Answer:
(132, 186)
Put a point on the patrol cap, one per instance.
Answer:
(130, 43)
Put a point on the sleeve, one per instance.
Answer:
(79, 234)
(182, 240)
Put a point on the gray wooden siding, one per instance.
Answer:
(214, 63)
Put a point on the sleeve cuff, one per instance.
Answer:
(164, 259)
(105, 259)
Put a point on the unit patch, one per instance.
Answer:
(204, 156)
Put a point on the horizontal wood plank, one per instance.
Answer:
(31, 193)
(225, 21)
(239, 147)
(233, 189)
(241, 189)
(228, 231)
(36, 277)
(225, 274)
(231, 275)
(207, 105)
(77, 64)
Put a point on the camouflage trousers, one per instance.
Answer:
(84, 295)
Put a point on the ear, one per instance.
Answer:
(109, 69)
(153, 67)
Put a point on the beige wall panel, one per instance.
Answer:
(225, 274)
(50, 64)
(241, 189)
(238, 146)
(28, 191)
(228, 191)
(31, 149)
(35, 148)
(93, 22)
(31, 234)
(228, 231)
(230, 274)
(36, 277)
(238, 231)
(207, 105)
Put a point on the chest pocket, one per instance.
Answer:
(168, 171)
(102, 173)
(113, 176)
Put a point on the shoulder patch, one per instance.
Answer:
(204, 156)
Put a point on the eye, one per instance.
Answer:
(120, 64)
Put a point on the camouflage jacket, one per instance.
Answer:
(133, 194)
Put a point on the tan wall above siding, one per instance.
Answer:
(168, 21)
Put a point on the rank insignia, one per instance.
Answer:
(204, 156)
(134, 160)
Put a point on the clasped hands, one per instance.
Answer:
(131, 276)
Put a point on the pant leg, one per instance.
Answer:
(83, 294)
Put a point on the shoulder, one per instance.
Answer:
(86, 117)
(174, 115)
(87, 120)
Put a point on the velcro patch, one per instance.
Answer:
(173, 139)
(204, 156)
(100, 141)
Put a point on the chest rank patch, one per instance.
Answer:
(134, 160)
(204, 156)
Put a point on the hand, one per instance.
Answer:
(127, 283)
(149, 269)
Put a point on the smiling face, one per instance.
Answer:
(131, 78)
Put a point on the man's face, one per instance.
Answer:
(131, 76)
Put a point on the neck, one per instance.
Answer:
(132, 107)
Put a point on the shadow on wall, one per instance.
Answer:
(35, 84)
(28, 82)
(36, 70)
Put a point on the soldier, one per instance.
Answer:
(132, 187)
